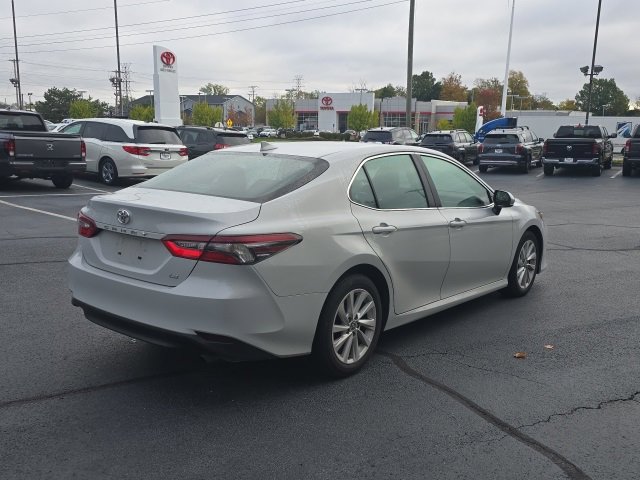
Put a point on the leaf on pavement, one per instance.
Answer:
(520, 355)
(549, 347)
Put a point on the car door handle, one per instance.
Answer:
(457, 223)
(383, 228)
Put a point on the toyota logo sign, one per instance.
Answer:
(168, 58)
(123, 216)
(326, 101)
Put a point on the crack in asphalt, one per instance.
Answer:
(452, 360)
(570, 469)
(95, 388)
(630, 398)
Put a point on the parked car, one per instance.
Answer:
(128, 148)
(268, 132)
(30, 150)
(458, 144)
(631, 158)
(391, 136)
(517, 147)
(579, 146)
(200, 140)
(259, 251)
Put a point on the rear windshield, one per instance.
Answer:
(21, 121)
(233, 139)
(157, 135)
(436, 139)
(377, 136)
(501, 138)
(568, 131)
(253, 177)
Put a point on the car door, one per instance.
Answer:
(93, 133)
(410, 236)
(471, 147)
(481, 241)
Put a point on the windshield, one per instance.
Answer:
(578, 132)
(377, 136)
(164, 135)
(21, 121)
(501, 138)
(439, 138)
(253, 177)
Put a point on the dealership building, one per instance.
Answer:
(329, 112)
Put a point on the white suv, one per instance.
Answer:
(128, 148)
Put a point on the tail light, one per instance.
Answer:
(231, 249)
(519, 149)
(596, 148)
(184, 151)
(218, 146)
(10, 147)
(545, 148)
(480, 148)
(137, 150)
(86, 226)
(83, 149)
(627, 146)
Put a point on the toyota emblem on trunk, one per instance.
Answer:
(569, 148)
(123, 216)
(49, 147)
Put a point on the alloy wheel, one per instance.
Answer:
(354, 326)
(527, 264)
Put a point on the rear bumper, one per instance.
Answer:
(491, 160)
(563, 162)
(633, 162)
(228, 311)
(41, 168)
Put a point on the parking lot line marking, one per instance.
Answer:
(91, 188)
(617, 174)
(47, 195)
(38, 211)
(540, 175)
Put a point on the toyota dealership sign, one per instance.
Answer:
(166, 98)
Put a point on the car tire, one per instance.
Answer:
(608, 164)
(349, 327)
(596, 170)
(62, 180)
(107, 171)
(483, 168)
(462, 159)
(548, 170)
(526, 166)
(476, 160)
(524, 266)
(626, 169)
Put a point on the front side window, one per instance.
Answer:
(455, 187)
(395, 182)
(73, 129)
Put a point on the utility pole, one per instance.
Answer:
(252, 95)
(118, 77)
(17, 61)
(14, 81)
(412, 10)
(593, 61)
(298, 80)
(503, 107)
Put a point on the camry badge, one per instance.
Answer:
(569, 148)
(123, 216)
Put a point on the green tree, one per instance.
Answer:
(568, 104)
(465, 118)
(283, 114)
(360, 118)
(518, 84)
(443, 124)
(83, 109)
(389, 91)
(424, 87)
(260, 106)
(142, 112)
(56, 103)
(605, 93)
(205, 115)
(542, 102)
(453, 89)
(214, 89)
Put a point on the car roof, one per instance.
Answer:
(502, 131)
(445, 132)
(122, 122)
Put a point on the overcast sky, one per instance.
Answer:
(335, 45)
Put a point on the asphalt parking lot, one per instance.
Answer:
(443, 398)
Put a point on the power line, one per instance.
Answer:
(83, 10)
(259, 27)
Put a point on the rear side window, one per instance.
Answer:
(94, 130)
(253, 177)
(21, 121)
(501, 138)
(396, 183)
(377, 136)
(115, 134)
(163, 135)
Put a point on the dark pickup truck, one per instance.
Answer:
(578, 146)
(29, 150)
(631, 158)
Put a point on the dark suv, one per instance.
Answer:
(391, 135)
(516, 147)
(201, 140)
(458, 144)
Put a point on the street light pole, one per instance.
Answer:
(118, 75)
(593, 61)
(503, 107)
(15, 41)
(412, 10)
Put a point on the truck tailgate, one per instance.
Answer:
(47, 147)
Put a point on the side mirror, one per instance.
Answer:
(540, 139)
(502, 199)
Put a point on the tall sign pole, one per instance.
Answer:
(593, 61)
(503, 107)
(412, 9)
(119, 106)
(15, 41)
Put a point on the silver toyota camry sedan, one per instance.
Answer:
(291, 249)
